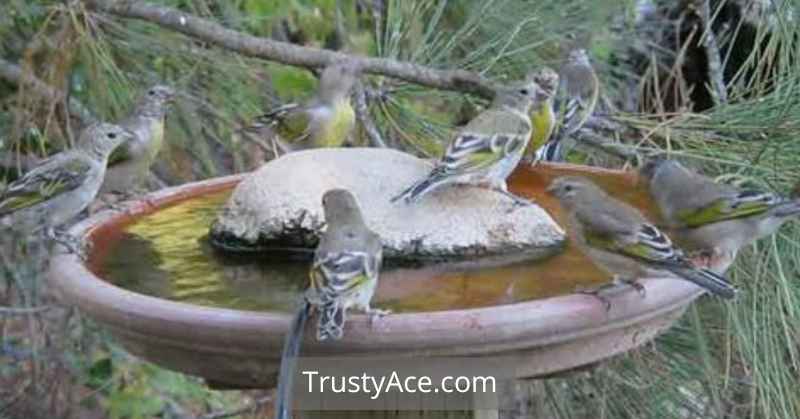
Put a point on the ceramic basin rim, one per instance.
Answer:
(475, 330)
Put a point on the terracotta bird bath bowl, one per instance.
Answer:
(204, 314)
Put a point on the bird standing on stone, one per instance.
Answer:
(543, 116)
(714, 218)
(620, 240)
(344, 274)
(61, 187)
(579, 94)
(327, 120)
(487, 149)
(129, 165)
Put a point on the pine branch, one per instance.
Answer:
(296, 55)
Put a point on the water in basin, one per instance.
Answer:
(166, 254)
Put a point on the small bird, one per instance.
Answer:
(582, 90)
(713, 218)
(129, 164)
(344, 274)
(543, 116)
(58, 189)
(326, 120)
(487, 149)
(577, 99)
(620, 240)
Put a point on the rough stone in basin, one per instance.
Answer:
(278, 207)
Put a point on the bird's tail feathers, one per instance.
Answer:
(549, 151)
(712, 282)
(331, 322)
(269, 119)
(788, 209)
(291, 349)
(417, 190)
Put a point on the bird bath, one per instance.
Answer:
(153, 280)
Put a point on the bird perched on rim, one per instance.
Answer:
(543, 116)
(130, 163)
(326, 120)
(487, 149)
(344, 274)
(577, 99)
(58, 189)
(623, 242)
(714, 218)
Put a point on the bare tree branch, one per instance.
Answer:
(459, 80)
(715, 77)
(592, 139)
(14, 74)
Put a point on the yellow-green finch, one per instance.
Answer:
(344, 274)
(326, 120)
(487, 149)
(129, 165)
(581, 91)
(61, 187)
(714, 217)
(543, 116)
(576, 101)
(619, 239)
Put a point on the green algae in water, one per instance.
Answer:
(166, 254)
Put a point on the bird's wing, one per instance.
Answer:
(731, 206)
(54, 177)
(336, 274)
(641, 241)
(621, 229)
(487, 139)
(290, 121)
(577, 104)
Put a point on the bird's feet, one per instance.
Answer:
(110, 201)
(73, 244)
(516, 201)
(597, 292)
(376, 314)
(633, 284)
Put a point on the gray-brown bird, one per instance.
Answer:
(619, 239)
(714, 217)
(129, 165)
(578, 96)
(61, 187)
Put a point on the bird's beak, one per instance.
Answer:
(129, 135)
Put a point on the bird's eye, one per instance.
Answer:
(523, 91)
(151, 92)
(111, 135)
(568, 188)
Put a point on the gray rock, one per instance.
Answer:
(278, 207)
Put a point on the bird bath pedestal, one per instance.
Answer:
(241, 349)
